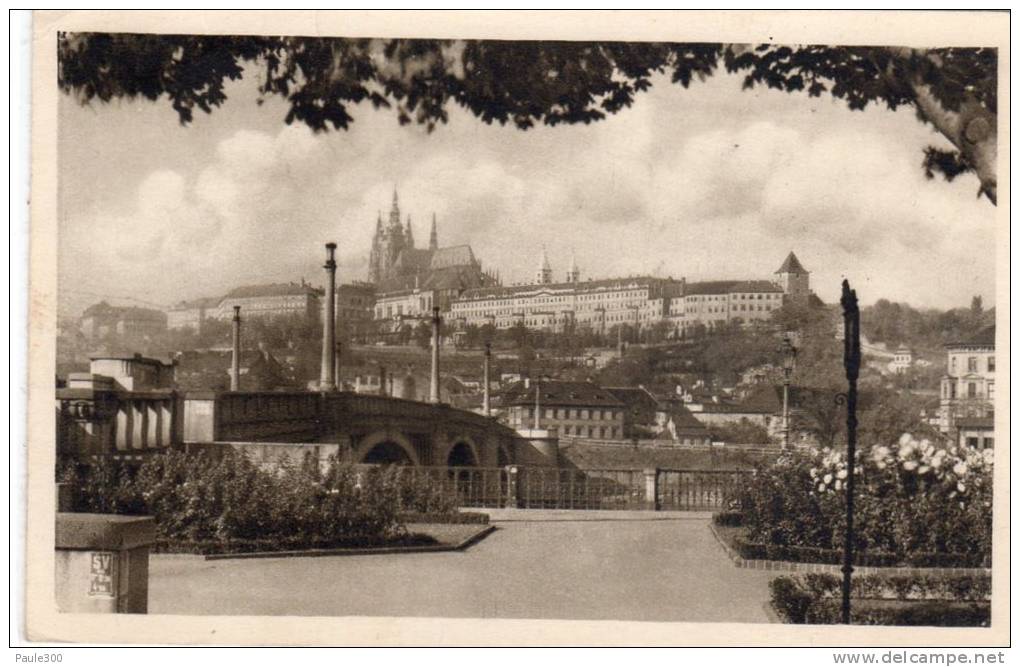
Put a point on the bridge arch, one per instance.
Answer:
(463, 453)
(386, 447)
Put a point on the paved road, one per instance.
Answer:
(565, 565)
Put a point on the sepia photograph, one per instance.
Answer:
(359, 322)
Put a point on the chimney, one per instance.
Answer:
(485, 379)
(235, 348)
(434, 384)
(327, 379)
(336, 366)
(538, 408)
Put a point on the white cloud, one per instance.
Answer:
(697, 182)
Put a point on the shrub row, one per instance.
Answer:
(920, 503)
(800, 554)
(948, 600)
(198, 500)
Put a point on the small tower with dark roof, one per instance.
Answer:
(793, 278)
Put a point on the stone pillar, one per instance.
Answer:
(235, 356)
(154, 432)
(434, 383)
(485, 379)
(102, 563)
(167, 421)
(327, 379)
(124, 427)
(652, 488)
(137, 425)
(382, 380)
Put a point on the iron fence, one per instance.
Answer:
(590, 489)
(698, 489)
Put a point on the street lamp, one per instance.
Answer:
(789, 363)
(852, 366)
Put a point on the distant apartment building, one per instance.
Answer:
(572, 409)
(191, 314)
(967, 400)
(101, 319)
(354, 307)
(271, 301)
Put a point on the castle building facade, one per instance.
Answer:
(639, 301)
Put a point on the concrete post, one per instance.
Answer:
(102, 563)
(485, 380)
(434, 383)
(327, 379)
(235, 352)
(652, 489)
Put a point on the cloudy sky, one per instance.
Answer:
(707, 183)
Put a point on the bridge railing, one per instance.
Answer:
(589, 489)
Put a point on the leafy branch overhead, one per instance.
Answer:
(524, 83)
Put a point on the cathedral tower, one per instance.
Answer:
(544, 274)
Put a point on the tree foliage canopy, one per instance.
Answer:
(528, 82)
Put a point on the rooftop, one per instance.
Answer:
(274, 289)
(557, 392)
(791, 265)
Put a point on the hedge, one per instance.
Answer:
(226, 502)
(801, 554)
(941, 600)
(728, 518)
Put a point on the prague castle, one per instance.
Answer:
(410, 280)
(639, 301)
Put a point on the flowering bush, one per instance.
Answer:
(913, 497)
(201, 499)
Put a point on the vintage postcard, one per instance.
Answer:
(519, 328)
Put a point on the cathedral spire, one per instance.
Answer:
(408, 233)
(433, 236)
(395, 211)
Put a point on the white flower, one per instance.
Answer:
(841, 475)
(923, 469)
(909, 465)
(838, 485)
(828, 478)
(961, 487)
(960, 469)
(905, 439)
(821, 488)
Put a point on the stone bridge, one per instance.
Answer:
(359, 428)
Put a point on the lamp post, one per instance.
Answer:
(789, 363)
(852, 365)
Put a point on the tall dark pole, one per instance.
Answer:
(327, 381)
(485, 379)
(852, 364)
(235, 351)
(434, 379)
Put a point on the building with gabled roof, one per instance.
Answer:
(572, 409)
